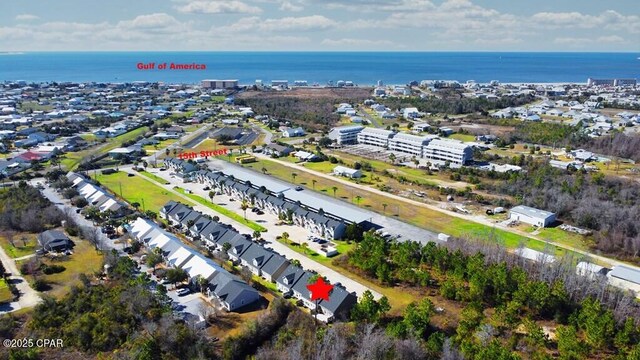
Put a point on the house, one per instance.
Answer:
(189, 220)
(239, 245)
(41, 136)
(290, 275)
(625, 277)
(582, 155)
(533, 216)
(54, 240)
(590, 270)
(291, 132)
(181, 167)
(199, 225)
(125, 152)
(177, 213)
(232, 292)
(277, 150)
(305, 156)
(164, 211)
(347, 172)
(339, 305)
(274, 267)
(301, 292)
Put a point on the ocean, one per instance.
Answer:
(363, 68)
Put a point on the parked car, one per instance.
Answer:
(299, 188)
(183, 292)
(260, 212)
(163, 169)
(206, 188)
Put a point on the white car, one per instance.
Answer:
(183, 292)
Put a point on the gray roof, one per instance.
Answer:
(169, 206)
(53, 240)
(258, 253)
(200, 224)
(179, 212)
(229, 287)
(194, 215)
(532, 212)
(301, 285)
(239, 244)
(274, 263)
(291, 274)
(256, 178)
(626, 273)
(330, 206)
(340, 301)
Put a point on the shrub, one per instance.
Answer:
(52, 269)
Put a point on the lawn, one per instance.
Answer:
(5, 292)
(224, 211)
(19, 249)
(463, 137)
(154, 177)
(84, 260)
(137, 189)
(419, 216)
(150, 149)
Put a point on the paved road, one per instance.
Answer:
(269, 223)
(268, 135)
(476, 219)
(185, 139)
(28, 297)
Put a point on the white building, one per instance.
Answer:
(411, 144)
(345, 134)
(348, 172)
(625, 277)
(533, 216)
(219, 84)
(590, 270)
(376, 137)
(448, 150)
(411, 113)
(535, 255)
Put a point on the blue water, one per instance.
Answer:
(363, 68)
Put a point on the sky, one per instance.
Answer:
(320, 25)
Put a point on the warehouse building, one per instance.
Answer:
(533, 216)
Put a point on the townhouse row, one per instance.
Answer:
(265, 263)
(231, 291)
(96, 196)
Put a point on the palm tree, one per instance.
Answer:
(335, 188)
(264, 170)
(358, 198)
(313, 183)
(392, 157)
(211, 195)
(244, 206)
(285, 237)
(202, 282)
(305, 247)
(256, 235)
(167, 151)
(293, 177)
(384, 208)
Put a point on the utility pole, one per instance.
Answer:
(120, 184)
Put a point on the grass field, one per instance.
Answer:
(154, 177)
(462, 137)
(224, 211)
(422, 217)
(19, 250)
(5, 293)
(72, 160)
(137, 189)
(84, 260)
(150, 149)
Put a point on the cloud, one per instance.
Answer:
(288, 6)
(151, 21)
(608, 20)
(218, 7)
(303, 23)
(27, 17)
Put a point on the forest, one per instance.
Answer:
(454, 103)
(502, 294)
(23, 208)
(121, 317)
(311, 110)
(608, 205)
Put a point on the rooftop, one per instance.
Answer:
(532, 212)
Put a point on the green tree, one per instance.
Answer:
(370, 310)
(154, 258)
(417, 317)
(176, 275)
(569, 344)
(211, 195)
(334, 188)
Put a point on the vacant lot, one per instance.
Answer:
(136, 189)
(23, 244)
(72, 160)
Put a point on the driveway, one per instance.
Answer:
(28, 297)
(267, 220)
